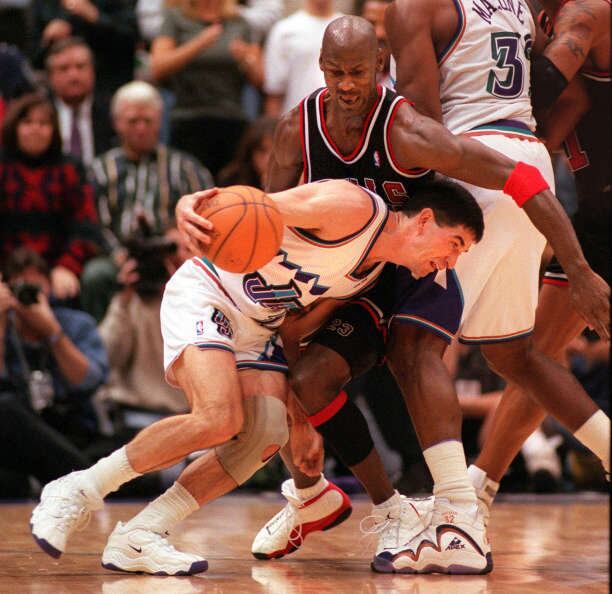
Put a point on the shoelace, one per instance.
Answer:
(70, 515)
(286, 519)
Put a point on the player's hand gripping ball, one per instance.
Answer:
(247, 228)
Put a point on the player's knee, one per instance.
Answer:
(316, 383)
(510, 360)
(412, 349)
(263, 433)
(217, 424)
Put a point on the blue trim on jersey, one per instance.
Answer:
(263, 366)
(214, 345)
(508, 126)
(494, 340)
(209, 265)
(407, 319)
(458, 284)
(456, 34)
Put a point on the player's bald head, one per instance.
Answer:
(349, 33)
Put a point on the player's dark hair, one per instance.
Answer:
(451, 203)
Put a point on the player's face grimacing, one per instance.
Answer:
(436, 247)
(351, 79)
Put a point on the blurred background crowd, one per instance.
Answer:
(110, 110)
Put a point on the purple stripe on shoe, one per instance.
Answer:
(46, 546)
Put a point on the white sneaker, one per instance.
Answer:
(138, 550)
(398, 523)
(455, 542)
(64, 507)
(286, 531)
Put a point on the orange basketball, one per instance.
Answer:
(248, 228)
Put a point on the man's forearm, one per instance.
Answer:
(547, 214)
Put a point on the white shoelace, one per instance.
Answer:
(70, 514)
(286, 518)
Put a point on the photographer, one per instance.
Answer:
(142, 178)
(132, 334)
(51, 361)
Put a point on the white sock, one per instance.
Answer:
(109, 473)
(486, 488)
(446, 462)
(162, 514)
(313, 491)
(595, 435)
(391, 502)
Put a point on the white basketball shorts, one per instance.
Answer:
(499, 275)
(197, 311)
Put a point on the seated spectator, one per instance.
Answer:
(46, 203)
(203, 52)
(51, 362)
(109, 28)
(250, 164)
(140, 180)
(83, 114)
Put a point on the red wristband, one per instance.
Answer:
(524, 183)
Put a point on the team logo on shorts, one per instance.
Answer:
(224, 326)
(199, 327)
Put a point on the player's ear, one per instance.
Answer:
(321, 60)
(425, 216)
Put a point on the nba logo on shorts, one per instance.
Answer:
(199, 328)
(376, 159)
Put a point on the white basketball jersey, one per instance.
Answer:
(305, 269)
(484, 71)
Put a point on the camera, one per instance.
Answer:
(150, 251)
(26, 293)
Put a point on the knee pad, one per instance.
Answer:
(265, 426)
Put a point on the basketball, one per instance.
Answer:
(248, 228)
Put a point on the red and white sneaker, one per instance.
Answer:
(286, 531)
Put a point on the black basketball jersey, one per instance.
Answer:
(589, 151)
(371, 164)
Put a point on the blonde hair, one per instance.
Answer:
(136, 91)
(190, 10)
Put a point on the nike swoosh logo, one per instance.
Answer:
(138, 550)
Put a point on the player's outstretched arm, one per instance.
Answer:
(285, 165)
(419, 141)
(408, 25)
(333, 209)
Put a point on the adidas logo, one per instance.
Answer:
(455, 544)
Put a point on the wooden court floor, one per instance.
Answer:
(549, 544)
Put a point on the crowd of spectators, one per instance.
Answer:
(110, 110)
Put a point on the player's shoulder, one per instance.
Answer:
(416, 8)
(289, 124)
(590, 13)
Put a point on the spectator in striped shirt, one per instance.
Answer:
(139, 180)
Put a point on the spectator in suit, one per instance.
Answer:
(107, 26)
(46, 203)
(83, 115)
(139, 181)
